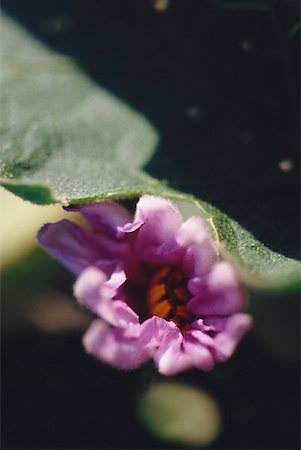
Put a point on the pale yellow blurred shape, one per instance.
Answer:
(53, 312)
(160, 5)
(180, 413)
(19, 222)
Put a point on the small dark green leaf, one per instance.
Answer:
(295, 29)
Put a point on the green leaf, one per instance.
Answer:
(66, 140)
(294, 29)
(63, 137)
(180, 413)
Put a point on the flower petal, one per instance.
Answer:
(95, 291)
(158, 220)
(70, 244)
(105, 217)
(199, 350)
(231, 331)
(191, 244)
(220, 293)
(170, 358)
(178, 353)
(129, 227)
(200, 252)
(125, 348)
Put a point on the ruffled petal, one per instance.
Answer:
(96, 292)
(200, 252)
(199, 350)
(125, 348)
(156, 221)
(170, 358)
(178, 353)
(191, 244)
(129, 227)
(230, 331)
(220, 293)
(105, 217)
(71, 244)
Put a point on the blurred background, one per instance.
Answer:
(219, 81)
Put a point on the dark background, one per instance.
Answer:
(221, 85)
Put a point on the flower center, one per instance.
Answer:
(167, 296)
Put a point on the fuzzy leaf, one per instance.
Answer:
(66, 140)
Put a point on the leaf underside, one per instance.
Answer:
(66, 140)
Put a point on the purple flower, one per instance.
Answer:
(155, 284)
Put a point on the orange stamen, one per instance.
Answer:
(167, 296)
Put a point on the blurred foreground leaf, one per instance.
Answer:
(66, 140)
(179, 413)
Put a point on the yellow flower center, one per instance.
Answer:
(167, 296)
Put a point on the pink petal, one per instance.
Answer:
(200, 335)
(105, 217)
(71, 244)
(191, 244)
(158, 219)
(178, 353)
(125, 348)
(199, 351)
(220, 293)
(200, 324)
(170, 358)
(232, 331)
(108, 345)
(95, 291)
(129, 227)
(200, 252)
